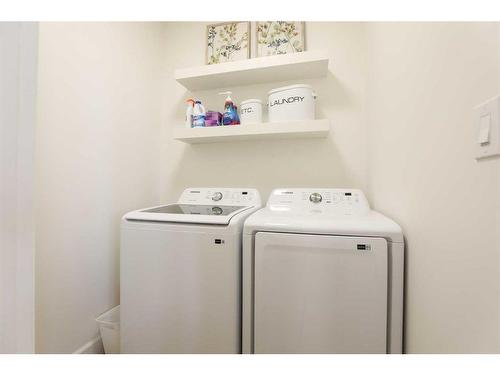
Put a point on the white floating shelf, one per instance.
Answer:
(276, 130)
(308, 64)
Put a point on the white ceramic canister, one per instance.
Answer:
(291, 103)
(251, 111)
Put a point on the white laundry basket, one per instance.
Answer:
(109, 326)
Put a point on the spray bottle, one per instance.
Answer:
(189, 113)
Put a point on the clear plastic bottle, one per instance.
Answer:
(198, 115)
(189, 113)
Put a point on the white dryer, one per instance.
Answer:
(322, 273)
(180, 273)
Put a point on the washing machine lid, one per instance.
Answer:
(201, 206)
(188, 213)
(342, 212)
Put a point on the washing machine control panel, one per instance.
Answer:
(328, 199)
(220, 196)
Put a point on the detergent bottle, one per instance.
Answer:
(230, 115)
(198, 115)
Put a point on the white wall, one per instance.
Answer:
(97, 157)
(424, 80)
(18, 51)
(339, 160)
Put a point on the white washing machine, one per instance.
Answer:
(180, 273)
(322, 273)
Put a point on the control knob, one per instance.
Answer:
(216, 210)
(315, 197)
(217, 196)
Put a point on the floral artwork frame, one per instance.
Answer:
(227, 41)
(279, 37)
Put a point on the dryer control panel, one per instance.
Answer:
(329, 200)
(221, 196)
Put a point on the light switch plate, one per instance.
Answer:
(484, 130)
(487, 140)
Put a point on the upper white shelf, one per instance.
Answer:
(308, 64)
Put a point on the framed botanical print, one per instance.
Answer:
(228, 41)
(279, 37)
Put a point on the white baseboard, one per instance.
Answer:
(94, 346)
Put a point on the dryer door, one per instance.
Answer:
(320, 294)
